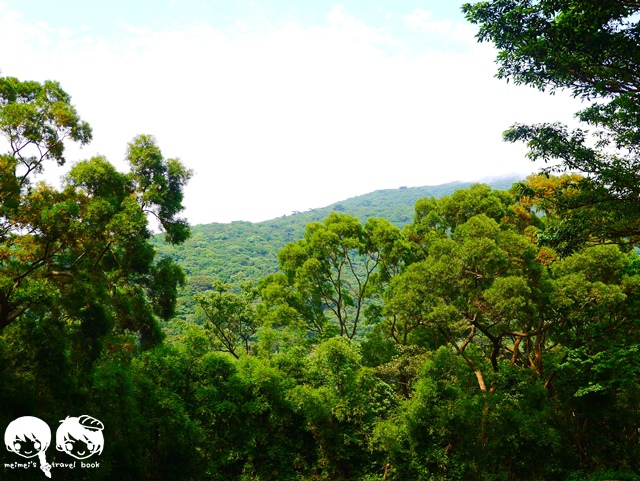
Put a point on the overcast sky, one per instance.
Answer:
(277, 105)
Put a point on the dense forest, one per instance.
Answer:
(247, 251)
(490, 334)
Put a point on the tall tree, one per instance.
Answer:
(231, 317)
(81, 253)
(481, 289)
(329, 273)
(593, 50)
(36, 119)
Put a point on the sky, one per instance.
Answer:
(276, 105)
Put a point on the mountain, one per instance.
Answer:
(246, 250)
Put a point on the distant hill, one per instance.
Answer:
(245, 250)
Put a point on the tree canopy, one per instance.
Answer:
(591, 49)
(82, 253)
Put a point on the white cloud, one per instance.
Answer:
(422, 19)
(418, 18)
(286, 119)
(458, 31)
(65, 33)
(384, 12)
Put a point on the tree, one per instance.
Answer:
(35, 119)
(542, 335)
(330, 271)
(232, 317)
(81, 253)
(593, 50)
(481, 290)
(159, 183)
(595, 293)
(339, 402)
(437, 432)
(476, 259)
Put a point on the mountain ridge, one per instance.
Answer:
(243, 250)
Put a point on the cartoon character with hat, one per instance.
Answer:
(80, 437)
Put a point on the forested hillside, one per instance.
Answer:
(246, 251)
(487, 334)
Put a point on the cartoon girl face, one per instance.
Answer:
(79, 448)
(80, 437)
(27, 436)
(28, 447)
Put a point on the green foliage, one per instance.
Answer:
(453, 210)
(429, 437)
(487, 356)
(78, 278)
(480, 281)
(591, 50)
(249, 251)
(604, 475)
(332, 268)
(82, 252)
(36, 119)
(446, 432)
(159, 186)
(340, 401)
(458, 348)
(232, 318)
